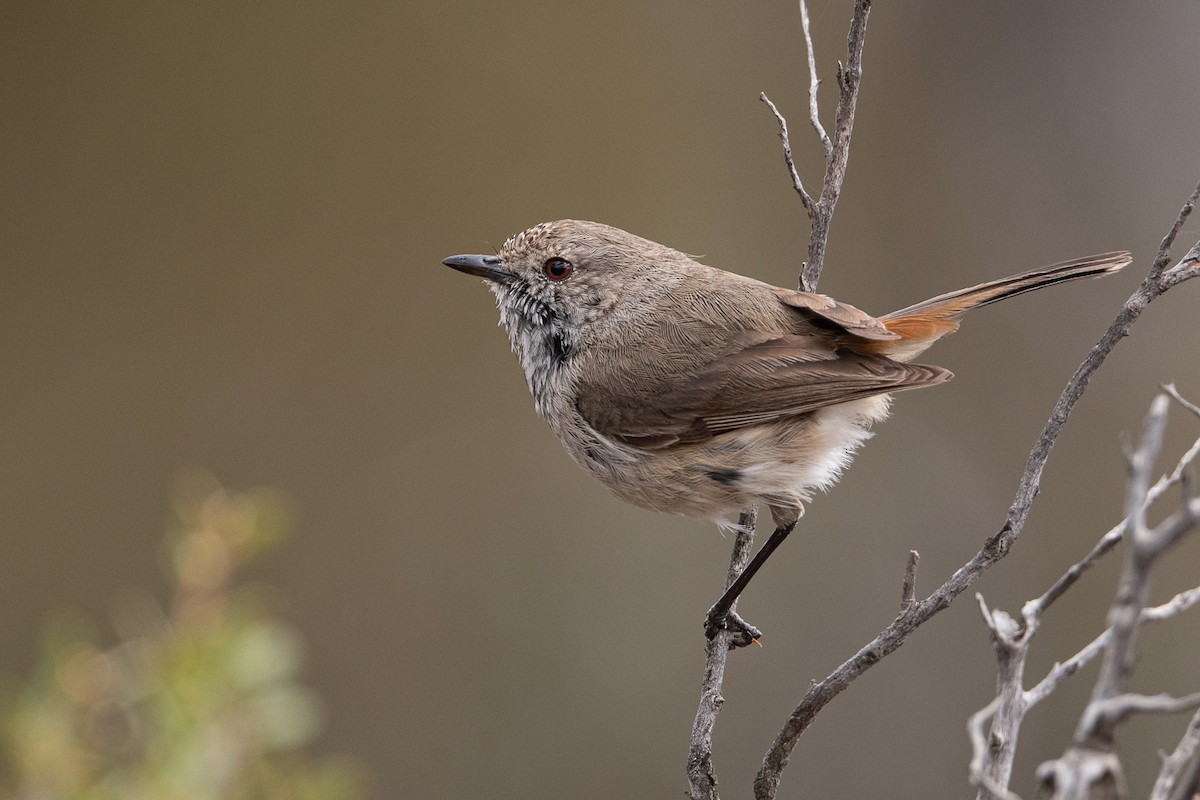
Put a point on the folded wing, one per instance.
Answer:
(757, 384)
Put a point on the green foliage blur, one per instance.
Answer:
(197, 700)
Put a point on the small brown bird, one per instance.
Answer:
(691, 390)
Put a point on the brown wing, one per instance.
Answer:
(753, 385)
(820, 308)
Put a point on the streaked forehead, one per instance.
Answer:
(535, 238)
(576, 238)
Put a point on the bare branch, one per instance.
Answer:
(837, 149)
(1060, 672)
(981, 745)
(1090, 766)
(1170, 389)
(1141, 462)
(1110, 539)
(1078, 767)
(1173, 528)
(991, 766)
(1177, 604)
(814, 83)
(838, 155)
(986, 613)
(1169, 776)
(797, 183)
(1107, 542)
(1113, 710)
(1188, 267)
(908, 586)
(702, 778)
(1190, 259)
(1095, 727)
(979, 740)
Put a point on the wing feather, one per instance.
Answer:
(818, 307)
(754, 385)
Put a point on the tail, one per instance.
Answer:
(920, 325)
(954, 304)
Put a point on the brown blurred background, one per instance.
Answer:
(220, 239)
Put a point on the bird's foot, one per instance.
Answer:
(741, 633)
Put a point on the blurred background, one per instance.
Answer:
(220, 239)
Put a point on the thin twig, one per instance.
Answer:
(1170, 389)
(837, 148)
(908, 587)
(797, 183)
(1177, 604)
(814, 115)
(1107, 542)
(1189, 260)
(1115, 709)
(838, 154)
(1063, 670)
(1060, 672)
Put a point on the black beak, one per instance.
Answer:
(483, 266)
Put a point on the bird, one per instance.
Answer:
(690, 390)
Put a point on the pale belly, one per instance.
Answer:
(780, 464)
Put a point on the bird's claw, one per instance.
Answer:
(741, 633)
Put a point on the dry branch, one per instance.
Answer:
(1091, 767)
(702, 778)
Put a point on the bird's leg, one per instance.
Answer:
(721, 616)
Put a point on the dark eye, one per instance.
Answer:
(558, 269)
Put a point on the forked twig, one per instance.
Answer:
(837, 149)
